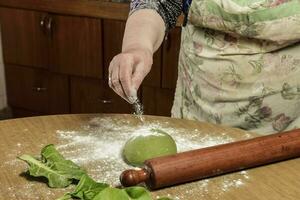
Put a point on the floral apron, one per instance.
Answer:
(239, 64)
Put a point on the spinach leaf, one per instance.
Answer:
(53, 166)
(138, 193)
(87, 188)
(112, 194)
(61, 173)
(66, 196)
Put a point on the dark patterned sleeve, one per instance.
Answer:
(169, 10)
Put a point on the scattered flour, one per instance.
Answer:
(99, 146)
(26, 189)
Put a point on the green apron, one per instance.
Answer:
(239, 64)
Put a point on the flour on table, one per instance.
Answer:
(97, 147)
(99, 144)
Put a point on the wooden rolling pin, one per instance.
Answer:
(211, 161)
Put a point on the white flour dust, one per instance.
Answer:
(100, 144)
(25, 189)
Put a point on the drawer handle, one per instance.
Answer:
(106, 101)
(39, 89)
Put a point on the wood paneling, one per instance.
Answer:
(76, 46)
(113, 31)
(24, 41)
(95, 8)
(37, 90)
(154, 76)
(100, 9)
(94, 96)
(171, 50)
(75, 50)
(157, 101)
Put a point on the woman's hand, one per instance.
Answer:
(127, 70)
(143, 35)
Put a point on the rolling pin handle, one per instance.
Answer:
(134, 177)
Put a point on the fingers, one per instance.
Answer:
(139, 75)
(127, 71)
(120, 73)
(125, 77)
(114, 81)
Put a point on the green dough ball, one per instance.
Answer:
(156, 143)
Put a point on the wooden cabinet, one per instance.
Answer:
(20, 112)
(37, 90)
(58, 63)
(112, 41)
(64, 44)
(157, 101)
(94, 96)
(24, 41)
(171, 48)
(76, 45)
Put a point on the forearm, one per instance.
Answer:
(145, 29)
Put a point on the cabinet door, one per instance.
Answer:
(76, 45)
(171, 50)
(24, 41)
(94, 96)
(113, 31)
(157, 101)
(37, 90)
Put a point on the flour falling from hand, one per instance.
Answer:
(138, 109)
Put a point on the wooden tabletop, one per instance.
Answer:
(29, 135)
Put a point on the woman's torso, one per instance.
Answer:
(233, 70)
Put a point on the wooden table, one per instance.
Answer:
(29, 135)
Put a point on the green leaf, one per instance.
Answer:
(53, 166)
(66, 196)
(112, 194)
(138, 193)
(61, 173)
(87, 188)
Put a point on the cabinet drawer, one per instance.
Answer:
(157, 101)
(37, 90)
(95, 96)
